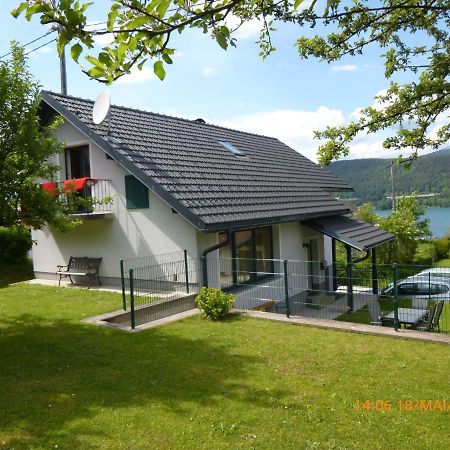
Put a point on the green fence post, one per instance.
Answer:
(133, 318)
(122, 277)
(395, 300)
(205, 270)
(186, 270)
(286, 288)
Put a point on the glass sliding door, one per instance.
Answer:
(244, 256)
(247, 258)
(264, 253)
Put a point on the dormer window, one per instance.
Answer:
(231, 148)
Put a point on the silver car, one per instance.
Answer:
(421, 290)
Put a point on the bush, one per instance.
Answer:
(214, 303)
(442, 247)
(425, 254)
(15, 243)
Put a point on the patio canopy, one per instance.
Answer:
(351, 231)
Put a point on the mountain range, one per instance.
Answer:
(371, 179)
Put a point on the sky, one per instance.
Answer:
(282, 96)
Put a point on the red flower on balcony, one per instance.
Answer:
(77, 184)
(50, 187)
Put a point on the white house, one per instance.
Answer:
(186, 185)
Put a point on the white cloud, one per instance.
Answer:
(41, 51)
(345, 68)
(45, 50)
(293, 127)
(137, 76)
(248, 30)
(208, 71)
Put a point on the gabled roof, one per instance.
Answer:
(351, 231)
(184, 163)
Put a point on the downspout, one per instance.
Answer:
(209, 250)
(363, 258)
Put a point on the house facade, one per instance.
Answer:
(173, 184)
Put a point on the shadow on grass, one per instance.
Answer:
(15, 272)
(55, 377)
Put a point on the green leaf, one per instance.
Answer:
(221, 40)
(96, 62)
(161, 9)
(111, 18)
(35, 9)
(132, 44)
(167, 59)
(158, 68)
(17, 11)
(137, 22)
(95, 72)
(121, 52)
(75, 51)
(63, 39)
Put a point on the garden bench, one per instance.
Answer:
(80, 266)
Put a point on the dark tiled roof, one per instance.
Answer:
(183, 162)
(351, 231)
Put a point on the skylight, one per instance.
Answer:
(231, 148)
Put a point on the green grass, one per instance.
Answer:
(442, 263)
(196, 384)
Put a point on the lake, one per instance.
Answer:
(439, 220)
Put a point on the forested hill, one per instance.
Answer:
(370, 178)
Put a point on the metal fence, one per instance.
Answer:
(147, 261)
(162, 290)
(398, 296)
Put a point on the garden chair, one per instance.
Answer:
(427, 324)
(437, 315)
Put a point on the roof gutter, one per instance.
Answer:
(209, 250)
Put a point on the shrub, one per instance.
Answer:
(442, 247)
(214, 303)
(15, 243)
(425, 254)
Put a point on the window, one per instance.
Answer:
(247, 258)
(77, 162)
(407, 289)
(231, 148)
(136, 193)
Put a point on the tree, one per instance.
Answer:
(26, 148)
(406, 223)
(414, 34)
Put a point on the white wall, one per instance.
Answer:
(128, 234)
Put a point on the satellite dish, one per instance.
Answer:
(101, 108)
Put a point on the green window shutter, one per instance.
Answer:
(136, 193)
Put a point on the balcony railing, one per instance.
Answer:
(87, 196)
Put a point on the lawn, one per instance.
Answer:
(443, 263)
(195, 384)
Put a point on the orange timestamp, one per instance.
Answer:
(420, 405)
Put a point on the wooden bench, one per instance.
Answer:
(80, 266)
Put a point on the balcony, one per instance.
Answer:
(85, 198)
